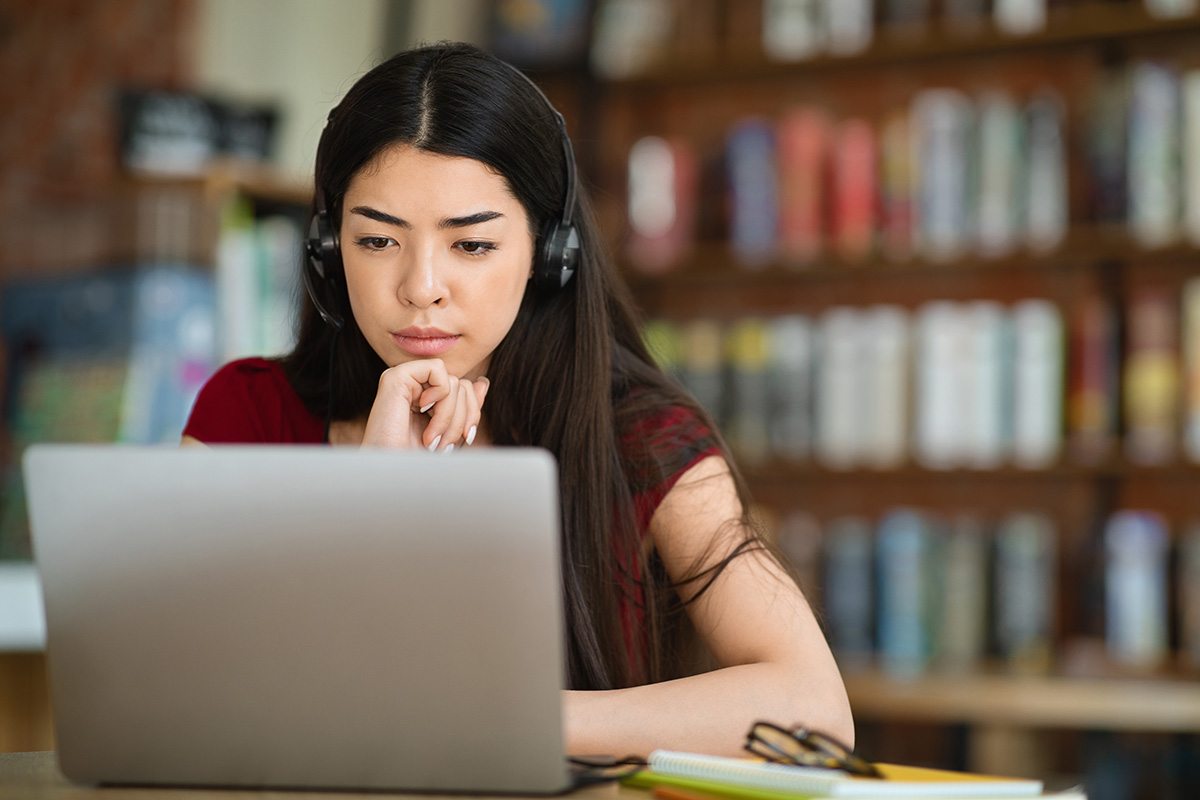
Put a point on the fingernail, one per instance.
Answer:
(471, 435)
(449, 449)
(426, 408)
(434, 445)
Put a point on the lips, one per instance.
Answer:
(424, 341)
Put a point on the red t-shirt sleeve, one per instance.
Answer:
(251, 402)
(673, 428)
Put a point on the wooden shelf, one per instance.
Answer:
(1119, 704)
(713, 263)
(1088, 24)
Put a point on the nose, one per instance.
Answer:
(422, 284)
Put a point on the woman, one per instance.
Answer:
(437, 319)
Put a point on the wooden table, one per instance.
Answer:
(36, 775)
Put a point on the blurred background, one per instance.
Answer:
(934, 265)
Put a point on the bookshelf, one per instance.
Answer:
(708, 75)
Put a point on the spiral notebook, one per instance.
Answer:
(751, 779)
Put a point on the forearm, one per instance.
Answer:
(708, 713)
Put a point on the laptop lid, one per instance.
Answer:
(302, 616)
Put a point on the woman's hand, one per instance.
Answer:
(419, 404)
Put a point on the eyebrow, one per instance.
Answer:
(450, 222)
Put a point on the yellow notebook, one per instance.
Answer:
(750, 779)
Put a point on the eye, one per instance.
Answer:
(373, 242)
(474, 248)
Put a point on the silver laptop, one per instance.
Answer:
(302, 616)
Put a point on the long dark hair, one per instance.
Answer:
(588, 386)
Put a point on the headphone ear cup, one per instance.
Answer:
(322, 268)
(559, 257)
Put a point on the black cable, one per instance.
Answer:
(332, 382)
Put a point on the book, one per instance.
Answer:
(1105, 148)
(964, 611)
(986, 384)
(702, 772)
(662, 189)
(702, 358)
(1001, 167)
(1154, 179)
(800, 540)
(938, 414)
(791, 386)
(1093, 384)
(838, 397)
(803, 163)
(849, 589)
(1191, 369)
(1039, 376)
(1136, 589)
(1187, 583)
(884, 390)
(747, 351)
(896, 187)
(1020, 17)
(1046, 202)
(850, 25)
(1026, 562)
(1190, 143)
(907, 605)
(943, 140)
(854, 189)
(793, 30)
(753, 192)
(1151, 378)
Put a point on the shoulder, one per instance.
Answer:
(251, 401)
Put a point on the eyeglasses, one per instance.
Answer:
(805, 748)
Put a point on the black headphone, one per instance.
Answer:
(554, 263)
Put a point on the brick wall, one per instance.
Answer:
(63, 205)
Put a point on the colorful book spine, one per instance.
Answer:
(804, 143)
(1170, 9)
(1093, 384)
(943, 135)
(1038, 353)
(662, 187)
(1151, 378)
(1191, 369)
(1025, 569)
(1106, 148)
(896, 189)
(964, 600)
(793, 30)
(1187, 583)
(1191, 154)
(849, 590)
(908, 595)
(986, 385)
(1046, 183)
(1136, 589)
(791, 375)
(938, 412)
(855, 190)
(801, 541)
(885, 386)
(702, 365)
(838, 400)
(1020, 17)
(753, 186)
(1154, 180)
(747, 348)
(664, 340)
(850, 25)
(1001, 163)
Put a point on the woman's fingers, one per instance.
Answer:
(454, 420)
(419, 404)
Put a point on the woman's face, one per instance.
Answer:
(437, 253)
